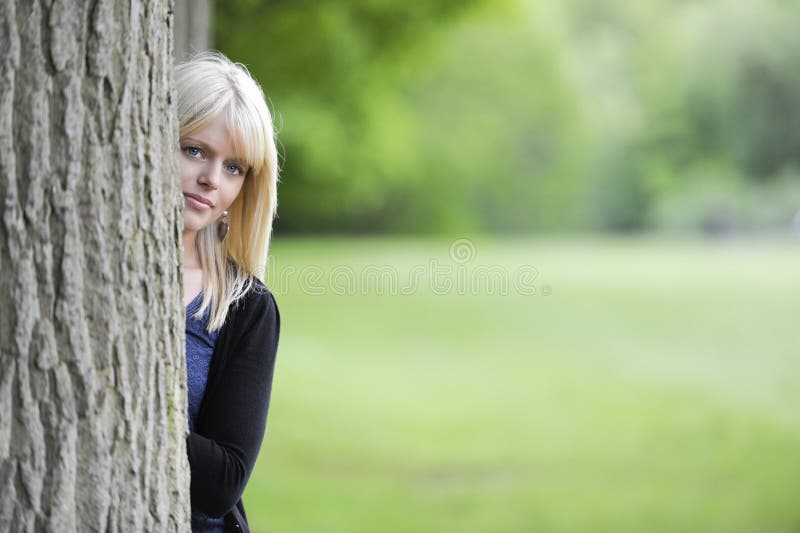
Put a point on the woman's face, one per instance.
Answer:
(212, 174)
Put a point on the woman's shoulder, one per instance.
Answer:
(257, 302)
(258, 292)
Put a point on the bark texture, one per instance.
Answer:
(92, 367)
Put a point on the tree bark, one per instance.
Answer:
(92, 364)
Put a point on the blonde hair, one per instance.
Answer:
(210, 84)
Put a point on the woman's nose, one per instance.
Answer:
(211, 176)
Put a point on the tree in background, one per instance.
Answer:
(694, 112)
(192, 32)
(337, 74)
(528, 116)
(92, 398)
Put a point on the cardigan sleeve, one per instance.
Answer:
(223, 448)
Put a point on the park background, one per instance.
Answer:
(537, 264)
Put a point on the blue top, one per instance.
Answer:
(199, 349)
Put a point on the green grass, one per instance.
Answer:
(647, 386)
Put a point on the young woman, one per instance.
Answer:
(229, 172)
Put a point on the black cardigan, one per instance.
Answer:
(233, 412)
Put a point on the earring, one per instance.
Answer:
(222, 227)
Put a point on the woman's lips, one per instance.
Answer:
(198, 201)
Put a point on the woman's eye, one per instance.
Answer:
(192, 151)
(235, 170)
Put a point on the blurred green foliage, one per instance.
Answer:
(521, 116)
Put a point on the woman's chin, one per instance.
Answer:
(192, 224)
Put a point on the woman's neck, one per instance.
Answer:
(190, 257)
(192, 273)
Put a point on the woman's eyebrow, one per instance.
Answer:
(197, 142)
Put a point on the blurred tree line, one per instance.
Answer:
(528, 116)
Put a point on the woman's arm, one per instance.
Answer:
(230, 426)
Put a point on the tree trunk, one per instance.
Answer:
(92, 367)
(192, 27)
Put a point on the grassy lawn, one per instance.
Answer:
(646, 386)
